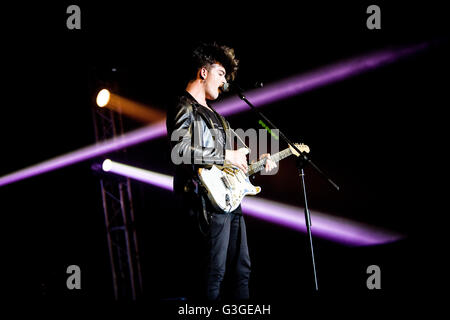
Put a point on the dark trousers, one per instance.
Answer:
(221, 252)
(227, 253)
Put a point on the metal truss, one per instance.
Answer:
(119, 215)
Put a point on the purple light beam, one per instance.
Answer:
(335, 229)
(259, 97)
(103, 147)
(324, 226)
(324, 76)
(154, 178)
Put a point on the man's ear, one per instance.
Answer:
(203, 73)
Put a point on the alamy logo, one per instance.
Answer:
(184, 151)
(374, 280)
(374, 20)
(74, 20)
(74, 280)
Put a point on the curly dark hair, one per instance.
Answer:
(205, 55)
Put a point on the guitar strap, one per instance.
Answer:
(227, 130)
(225, 127)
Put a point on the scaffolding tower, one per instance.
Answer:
(119, 214)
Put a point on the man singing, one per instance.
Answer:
(201, 137)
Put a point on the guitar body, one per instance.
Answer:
(226, 186)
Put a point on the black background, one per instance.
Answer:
(379, 135)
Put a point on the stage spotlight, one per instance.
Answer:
(150, 177)
(128, 107)
(107, 165)
(103, 97)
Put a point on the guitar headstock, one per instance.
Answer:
(300, 146)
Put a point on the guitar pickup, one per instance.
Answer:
(225, 182)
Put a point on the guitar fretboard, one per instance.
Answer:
(259, 165)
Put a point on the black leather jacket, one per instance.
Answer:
(188, 151)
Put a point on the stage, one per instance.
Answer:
(370, 103)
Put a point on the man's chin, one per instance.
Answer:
(213, 97)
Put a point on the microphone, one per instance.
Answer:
(227, 86)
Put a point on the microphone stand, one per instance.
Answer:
(302, 160)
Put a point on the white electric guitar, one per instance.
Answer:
(228, 185)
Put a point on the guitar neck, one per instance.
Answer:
(259, 165)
